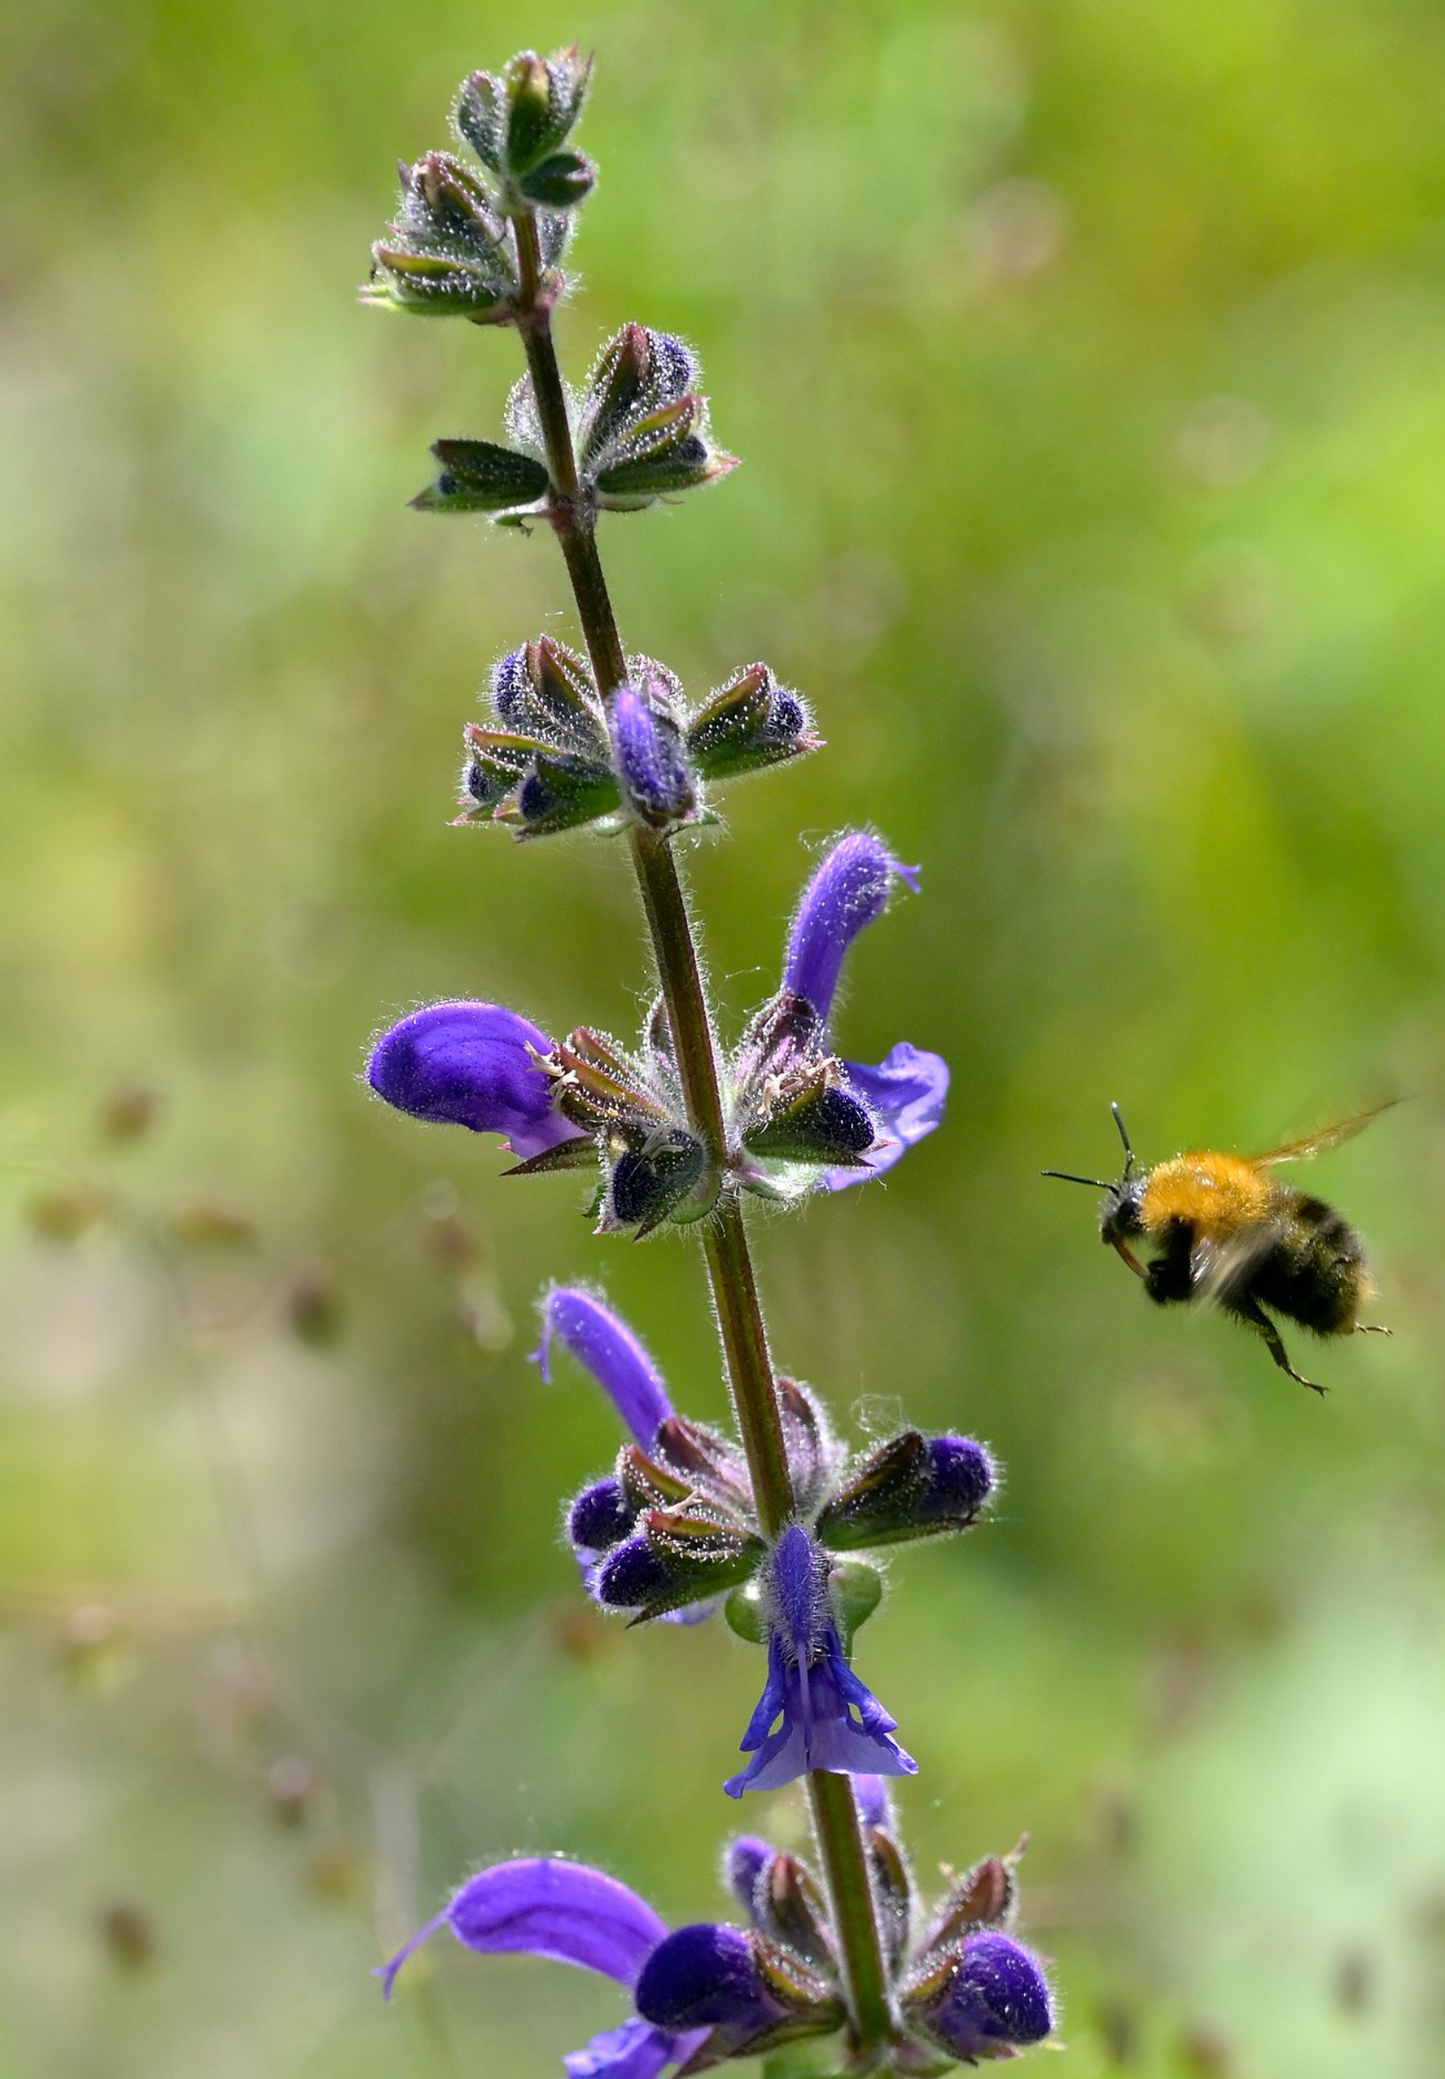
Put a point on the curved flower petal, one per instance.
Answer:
(607, 1348)
(848, 890)
(636, 2050)
(906, 1094)
(473, 1065)
(562, 1910)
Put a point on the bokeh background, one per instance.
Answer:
(1089, 366)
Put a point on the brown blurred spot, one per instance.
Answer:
(210, 1223)
(1354, 1980)
(337, 1871)
(128, 1113)
(313, 1310)
(1119, 2031)
(579, 1633)
(1015, 230)
(65, 1215)
(1204, 2051)
(1117, 1817)
(291, 1788)
(128, 1933)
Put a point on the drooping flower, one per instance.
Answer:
(814, 1712)
(475, 1065)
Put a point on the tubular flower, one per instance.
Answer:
(806, 1117)
(570, 1914)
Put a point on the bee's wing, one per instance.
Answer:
(1222, 1268)
(1326, 1137)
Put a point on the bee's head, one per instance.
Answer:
(1119, 1215)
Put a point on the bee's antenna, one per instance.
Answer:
(1124, 1137)
(1067, 1177)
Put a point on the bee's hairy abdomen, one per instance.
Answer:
(1216, 1196)
(1315, 1271)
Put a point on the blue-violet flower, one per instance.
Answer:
(814, 1713)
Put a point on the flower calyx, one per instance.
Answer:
(553, 755)
(451, 249)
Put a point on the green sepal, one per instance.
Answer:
(560, 182)
(737, 730)
(434, 285)
(477, 476)
(816, 1122)
(857, 1590)
(746, 1613)
(559, 793)
(578, 1153)
(544, 100)
(703, 1550)
(876, 1503)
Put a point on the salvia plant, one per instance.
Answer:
(772, 1526)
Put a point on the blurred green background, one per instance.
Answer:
(1089, 366)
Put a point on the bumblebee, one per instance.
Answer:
(1229, 1233)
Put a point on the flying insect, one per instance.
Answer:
(1229, 1233)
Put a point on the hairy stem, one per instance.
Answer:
(850, 1890)
(729, 1261)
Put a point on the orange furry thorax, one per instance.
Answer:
(1216, 1194)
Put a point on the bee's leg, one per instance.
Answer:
(1249, 1310)
(1372, 1328)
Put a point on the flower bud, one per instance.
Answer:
(675, 1557)
(988, 1997)
(517, 123)
(642, 428)
(849, 889)
(749, 723)
(650, 766)
(445, 253)
(547, 691)
(912, 1486)
(599, 1518)
(559, 792)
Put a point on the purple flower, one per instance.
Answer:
(905, 1092)
(606, 1347)
(848, 890)
(824, 1716)
(601, 1517)
(576, 1915)
(647, 752)
(474, 1065)
(995, 1999)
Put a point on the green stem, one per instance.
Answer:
(855, 1919)
(729, 1261)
